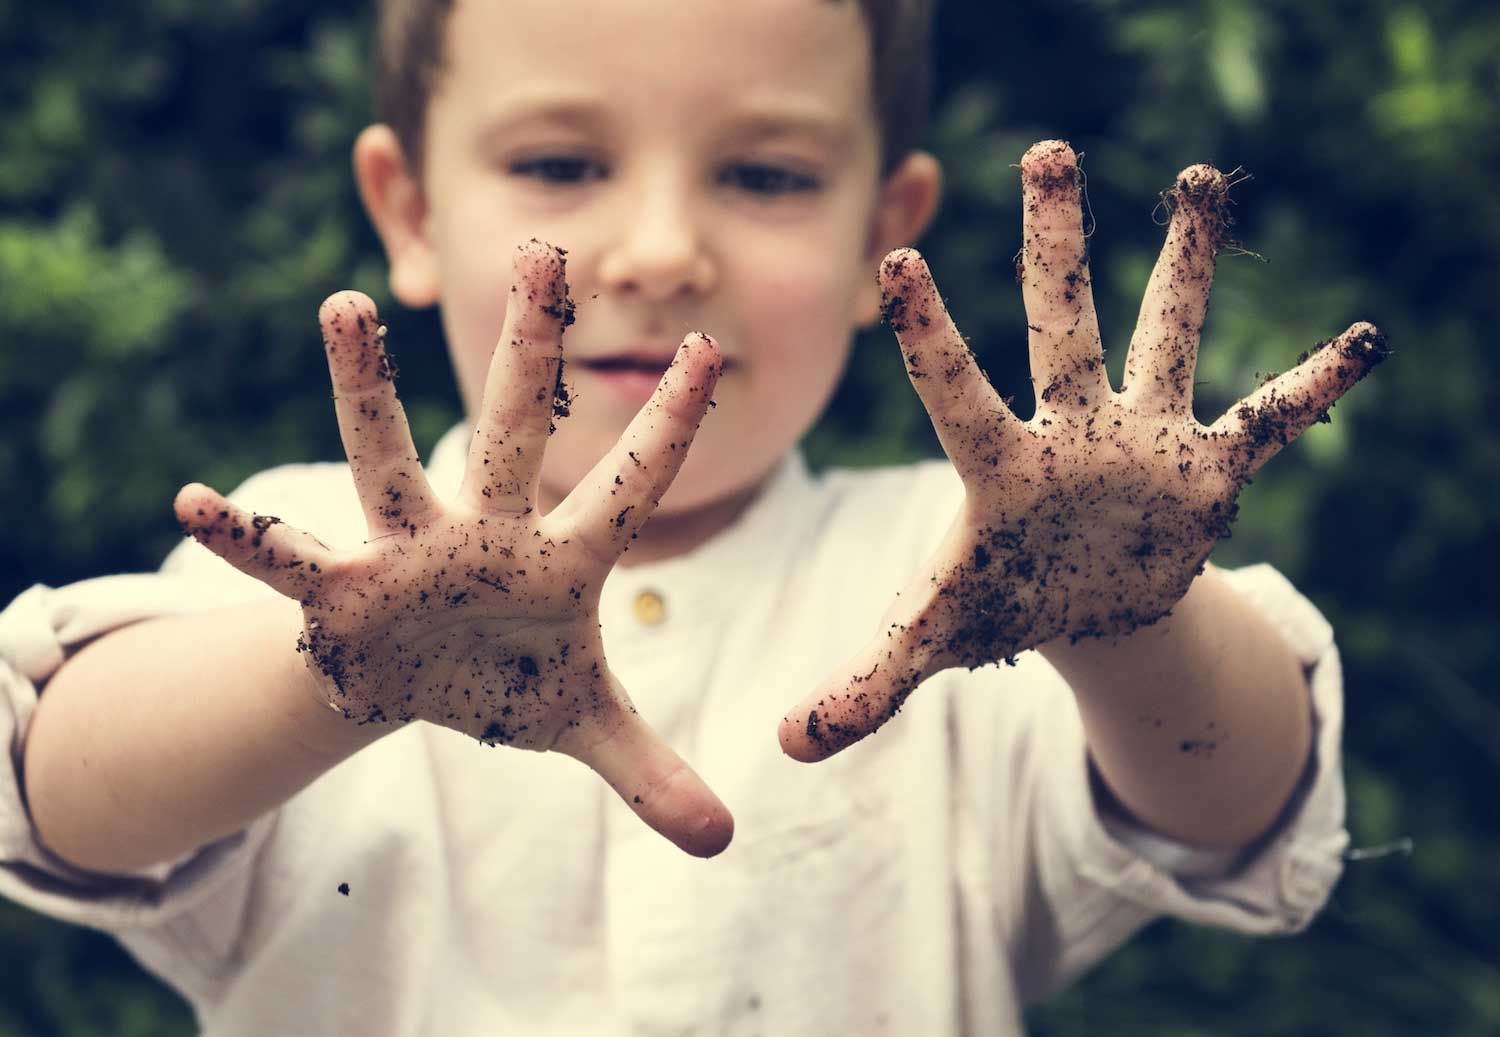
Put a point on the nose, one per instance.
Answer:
(659, 250)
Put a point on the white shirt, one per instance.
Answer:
(930, 880)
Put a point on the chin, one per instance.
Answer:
(704, 480)
(689, 494)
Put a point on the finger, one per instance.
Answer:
(612, 502)
(974, 425)
(1280, 410)
(521, 391)
(870, 690)
(1164, 349)
(911, 645)
(655, 782)
(387, 472)
(1067, 359)
(278, 555)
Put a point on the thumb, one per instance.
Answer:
(911, 645)
(868, 691)
(657, 784)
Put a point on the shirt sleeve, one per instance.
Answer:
(39, 630)
(1097, 877)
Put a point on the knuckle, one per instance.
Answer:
(527, 420)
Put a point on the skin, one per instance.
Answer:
(481, 613)
(675, 217)
(660, 240)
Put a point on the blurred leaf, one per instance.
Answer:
(175, 201)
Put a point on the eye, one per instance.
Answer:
(569, 170)
(769, 180)
(555, 169)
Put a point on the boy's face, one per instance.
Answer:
(686, 197)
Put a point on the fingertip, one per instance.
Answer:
(710, 835)
(710, 346)
(703, 361)
(1202, 191)
(1367, 343)
(347, 301)
(540, 278)
(907, 291)
(902, 269)
(658, 785)
(700, 342)
(540, 249)
(193, 499)
(687, 812)
(348, 319)
(1199, 176)
(896, 259)
(188, 490)
(1049, 159)
(796, 742)
(541, 258)
(199, 510)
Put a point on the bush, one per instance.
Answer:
(175, 202)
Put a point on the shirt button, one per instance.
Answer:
(649, 608)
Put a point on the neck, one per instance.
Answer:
(672, 534)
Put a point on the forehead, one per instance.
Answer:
(678, 62)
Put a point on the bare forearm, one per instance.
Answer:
(170, 733)
(1198, 724)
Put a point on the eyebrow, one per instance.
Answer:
(753, 124)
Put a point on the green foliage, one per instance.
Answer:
(175, 201)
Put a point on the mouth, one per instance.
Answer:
(634, 363)
(629, 379)
(643, 365)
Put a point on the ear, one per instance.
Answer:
(907, 203)
(393, 196)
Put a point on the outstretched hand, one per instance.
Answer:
(481, 614)
(1094, 517)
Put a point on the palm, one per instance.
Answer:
(496, 641)
(1092, 518)
(1088, 536)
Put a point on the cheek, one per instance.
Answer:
(475, 290)
(472, 331)
(801, 325)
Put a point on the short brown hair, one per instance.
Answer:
(409, 56)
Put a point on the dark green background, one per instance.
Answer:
(175, 201)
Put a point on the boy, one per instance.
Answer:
(728, 170)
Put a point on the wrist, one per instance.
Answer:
(1090, 663)
(318, 723)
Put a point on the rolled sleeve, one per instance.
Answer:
(1105, 877)
(38, 631)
